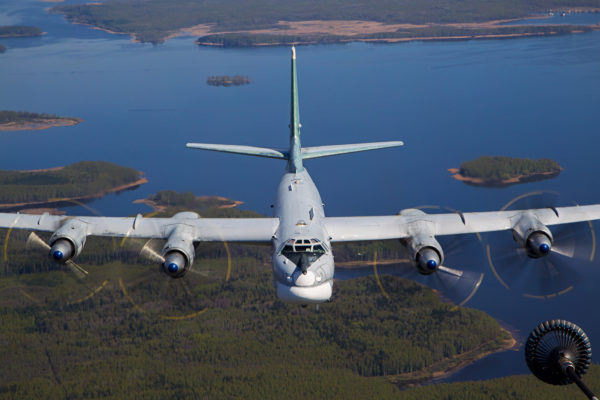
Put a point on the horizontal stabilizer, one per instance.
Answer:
(248, 150)
(324, 151)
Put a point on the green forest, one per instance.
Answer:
(128, 330)
(519, 387)
(81, 179)
(154, 20)
(498, 168)
(250, 39)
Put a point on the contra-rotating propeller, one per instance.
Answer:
(450, 265)
(546, 263)
(559, 352)
(60, 251)
(162, 291)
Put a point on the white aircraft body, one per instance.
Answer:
(300, 233)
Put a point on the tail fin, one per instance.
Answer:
(296, 153)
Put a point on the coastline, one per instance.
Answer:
(448, 366)
(159, 207)
(39, 125)
(504, 182)
(345, 31)
(71, 200)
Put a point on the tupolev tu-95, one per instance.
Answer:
(300, 234)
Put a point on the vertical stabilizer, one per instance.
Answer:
(295, 154)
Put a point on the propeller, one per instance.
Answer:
(152, 291)
(554, 270)
(35, 242)
(457, 280)
(559, 352)
(459, 277)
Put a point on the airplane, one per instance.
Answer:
(299, 232)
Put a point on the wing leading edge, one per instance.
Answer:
(204, 229)
(345, 229)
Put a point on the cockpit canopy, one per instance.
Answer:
(303, 252)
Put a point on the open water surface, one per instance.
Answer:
(448, 101)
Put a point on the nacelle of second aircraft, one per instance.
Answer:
(533, 236)
(425, 252)
(68, 241)
(179, 251)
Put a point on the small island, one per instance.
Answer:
(14, 31)
(22, 120)
(499, 171)
(226, 80)
(74, 183)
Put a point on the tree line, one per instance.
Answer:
(500, 167)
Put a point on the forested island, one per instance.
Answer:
(74, 183)
(226, 336)
(226, 80)
(15, 31)
(171, 201)
(499, 171)
(271, 22)
(22, 120)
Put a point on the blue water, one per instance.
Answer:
(449, 102)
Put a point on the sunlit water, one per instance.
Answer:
(449, 102)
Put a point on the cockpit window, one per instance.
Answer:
(303, 252)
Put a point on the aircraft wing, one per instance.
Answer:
(345, 229)
(203, 229)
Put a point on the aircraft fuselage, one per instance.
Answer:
(302, 259)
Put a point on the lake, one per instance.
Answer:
(448, 101)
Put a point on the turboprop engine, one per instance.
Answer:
(178, 252)
(425, 252)
(533, 236)
(68, 241)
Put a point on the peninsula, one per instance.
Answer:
(74, 183)
(171, 201)
(498, 171)
(226, 80)
(22, 120)
(272, 22)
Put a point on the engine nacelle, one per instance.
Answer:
(533, 236)
(68, 241)
(425, 252)
(179, 251)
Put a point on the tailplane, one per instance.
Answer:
(295, 154)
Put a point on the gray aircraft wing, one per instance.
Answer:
(411, 222)
(201, 229)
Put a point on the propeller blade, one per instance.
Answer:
(453, 284)
(76, 269)
(550, 275)
(35, 242)
(149, 253)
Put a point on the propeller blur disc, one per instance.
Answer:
(552, 275)
(457, 280)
